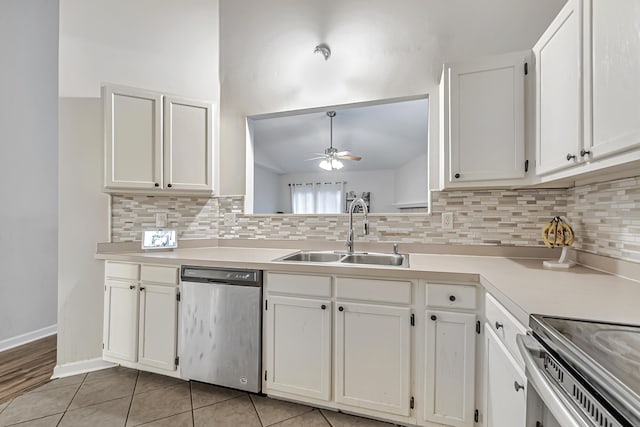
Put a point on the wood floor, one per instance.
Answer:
(26, 367)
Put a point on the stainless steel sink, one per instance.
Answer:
(398, 260)
(310, 256)
(392, 260)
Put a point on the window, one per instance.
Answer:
(317, 198)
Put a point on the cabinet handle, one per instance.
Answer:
(132, 287)
(156, 185)
(169, 185)
(499, 325)
(434, 317)
(584, 152)
(340, 308)
(456, 175)
(571, 157)
(452, 298)
(142, 288)
(323, 306)
(517, 386)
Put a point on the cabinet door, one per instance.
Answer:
(133, 138)
(487, 119)
(450, 368)
(298, 346)
(373, 357)
(158, 326)
(120, 334)
(615, 67)
(188, 156)
(505, 399)
(559, 91)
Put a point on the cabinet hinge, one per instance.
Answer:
(476, 416)
(412, 403)
(265, 374)
(477, 327)
(178, 297)
(266, 305)
(413, 319)
(526, 165)
(526, 68)
(103, 346)
(176, 361)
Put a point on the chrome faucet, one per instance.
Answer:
(365, 222)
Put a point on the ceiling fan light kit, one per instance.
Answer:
(331, 157)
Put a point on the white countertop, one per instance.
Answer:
(522, 285)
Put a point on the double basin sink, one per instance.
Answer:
(368, 258)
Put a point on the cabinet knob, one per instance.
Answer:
(142, 288)
(156, 185)
(340, 308)
(323, 307)
(456, 175)
(132, 287)
(499, 325)
(434, 317)
(169, 185)
(571, 157)
(517, 386)
(452, 298)
(584, 152)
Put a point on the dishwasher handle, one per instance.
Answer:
(554, 399)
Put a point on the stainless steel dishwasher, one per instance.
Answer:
(221, 327)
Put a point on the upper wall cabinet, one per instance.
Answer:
(587, 90)
(483, 121)
(156, 143)
(559, 91)
(613, 76)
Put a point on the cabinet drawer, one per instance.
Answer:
(452, 296)
(390, 291)
(299, 284)
(505, 326)
(157, 274)
(122, 270)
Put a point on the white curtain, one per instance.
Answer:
(319, 197)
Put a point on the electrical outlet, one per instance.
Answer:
(229, 219)
(161, 219)
(447, 220)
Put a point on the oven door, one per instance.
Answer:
(549, 405)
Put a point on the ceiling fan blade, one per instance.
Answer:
(349, 157)
(315, 158)
(343, 153)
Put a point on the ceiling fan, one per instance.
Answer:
(331, 156)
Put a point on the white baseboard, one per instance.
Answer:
(28, 337)
(81, 367)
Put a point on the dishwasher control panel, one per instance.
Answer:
(226, 275)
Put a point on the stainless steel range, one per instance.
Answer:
(586, 373)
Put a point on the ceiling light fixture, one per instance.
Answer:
(324, 49)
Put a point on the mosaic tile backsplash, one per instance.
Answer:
(606, 218)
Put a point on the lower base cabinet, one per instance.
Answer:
(373, 356)
(298, 348)
(158, 326)
(506, 400)
(450, 360)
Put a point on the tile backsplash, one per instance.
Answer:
(606, 218)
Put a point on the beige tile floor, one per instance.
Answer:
(125, 397)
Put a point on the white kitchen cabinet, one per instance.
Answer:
(450, 350)
(141, 316)
(505, 385)
(613, 67)
(158, 323)
(156, 143)
(559, 90)
(298, 346)
(372, 348)
(484, 120)
(120, 334)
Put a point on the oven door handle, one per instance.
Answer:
(562, 408)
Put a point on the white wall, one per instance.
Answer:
(28, 165)
(266, 191)
(160, 45)
(381, 49)
(410, 181)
